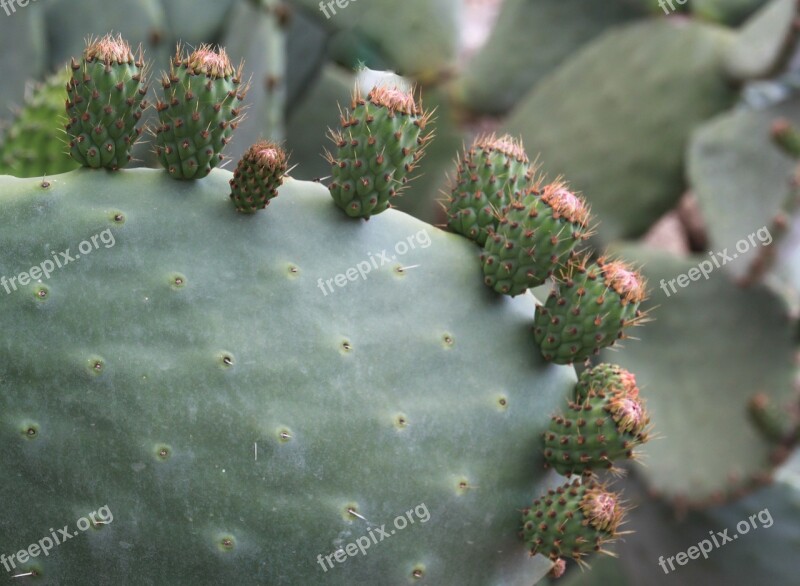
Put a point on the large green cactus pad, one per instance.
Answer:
(611, 121)
(194, 378)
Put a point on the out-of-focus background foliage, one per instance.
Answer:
(678, 129)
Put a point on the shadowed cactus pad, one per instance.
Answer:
(589, 310)
(535, 238)
(605, 426)
(257, 176)
(378, 147)
(237, 420)
(202, 106)
(487, 177)
(573, 520)
(105, 100)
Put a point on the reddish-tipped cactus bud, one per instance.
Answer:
(593, 433)
(202, 106)
(535, 237)
(573, 520)
(608, 378)
(589, 310)
(257, 176)
(105, 100)
(381, 140)
(488, 176)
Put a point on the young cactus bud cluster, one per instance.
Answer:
(379, 145)
(105, 100)
(257, 176)
(588, 310)
(487, 177)
(202, 106)
(573, 520)
(537, 235)
(605, 425)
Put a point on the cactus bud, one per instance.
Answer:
(588, 310)
(536, 236)
(573, 520)
(487, 177)
(608, 378)
(257, 176)
(381, 141)
(105, 100)
(203, 96)
(604, 427)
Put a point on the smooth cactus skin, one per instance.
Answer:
(33, 145)
(589, 310)
(202, 106)
(105, 100)
(574, 520)
(535, 238)
(380, 143)
(605, 377)
(257, 177)
(229, 411)
(591, 434)
(488, 177)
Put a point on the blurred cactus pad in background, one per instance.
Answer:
(480, 292)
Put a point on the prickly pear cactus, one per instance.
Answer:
(488, 175)
(378, 147)
(535, 237)
(589, 310)
(257, 177)
(593, 432)
(269, 395)
(105, 102)
(205, 375)
(33, 145)
(202, 107)
(573, 520)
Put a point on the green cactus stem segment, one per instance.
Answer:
(593, 433)
(573, 520)
(202, 106)
(536, 237)
(105, 100)
(257, 177)
(589, 310)
(380, 143)
(487, 177)
(608, 378)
